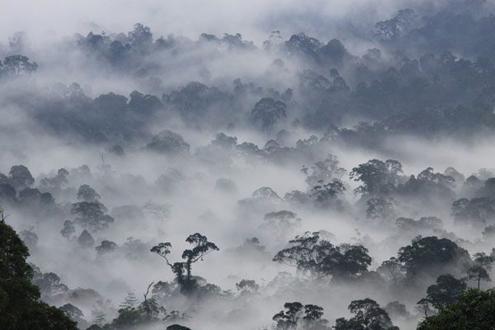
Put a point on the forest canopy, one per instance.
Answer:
(262, 165)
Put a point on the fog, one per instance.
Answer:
(358, 125)
(54, 19)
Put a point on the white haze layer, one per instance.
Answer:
(195, 205)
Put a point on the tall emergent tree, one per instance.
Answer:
(201, 247)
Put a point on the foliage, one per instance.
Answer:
(368, 315)
(201, 247)
(429, 255)
(20, 305)
(309, 253)
(377, 177)
(299, 316)
(445, 292)
(474, 310)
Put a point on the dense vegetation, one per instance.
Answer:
(220, 183)
(20, 305)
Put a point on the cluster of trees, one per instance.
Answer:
(20, 304)
(367, 315)
(451, 300)
(309, 253)
(436, 258)
(297, 316)
(16, 65)
(474, 309)
(16, 190)
(423, 89)
(430, 73)
(89, 212)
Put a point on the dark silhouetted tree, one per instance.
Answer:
(319, 257)
(368, 315)
(20, 305)
(431, 255)
(446, 291)
(475, 309)
(20, 177)
(17, 65)
(200, 248)
(87, 194)
(377, 177)
(299, 316)
(267, 112)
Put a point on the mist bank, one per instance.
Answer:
(217, 165)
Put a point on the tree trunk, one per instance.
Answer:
(188, 268)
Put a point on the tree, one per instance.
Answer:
(20, 177)
(377, 177)
(168, 142)
(17, 65)
(475, 309)
(74, 313)
(394, 28)
(392, 270)
(423, 306)
(68, 229)
(132, 315)
(201, 247)
(380, 208)
(87, 194)
(2, 215)
(55, 184)
(140, 38)
(267, 112)
(484, 260)
(247, 286)
(478, 211)
(85, 239)
(323, 171)
(428, 185)
(321, 258)
(431, 255)
(144, 104)
(7, 193)
(106, 247)
(50, 284)
(35, 199)
(20, 305)
(478, 273)
(177, 327)
(446, 291)
(299, 316)
(278, 225)
(327, 194)
(91, 215)
(368, 315)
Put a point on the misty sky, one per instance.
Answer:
(254, 19)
